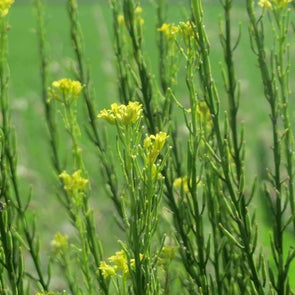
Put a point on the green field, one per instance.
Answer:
(34, 165)
(27, 109)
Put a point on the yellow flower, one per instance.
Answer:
(126, 114)
(203, 110)
(187, 29)
(107, 270)
(204, 116)
(75, 182)
(121, 19)
(138, 18)
(169, 30)
(155, 173)
(148, 141)
(138, 10)
(167, 255)
(269, 4)
(165, 28)
(131, 112)
(154, 144)
(68, 88)
(265, 4)
(4, 7)
(59, 243)
(119, 263)
(132, 261)
(115, 108)
(174, 30)
(159, 140)
(281, 3)
(182, 183)
(108, 116)
(120, 259)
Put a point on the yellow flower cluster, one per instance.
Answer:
(121, 19)
(170, 31)
(126, 114)
(154, 144)
(187, 29)
(167, 255)
(73, 183)
(182, 183)
(4, 7)
(265, 4)
(107, 269)
(155, 172)
(59, 243)
(204, 116)
(269, 4)
(119, 264)
(203, 111)
(138, 10)
(67, 88)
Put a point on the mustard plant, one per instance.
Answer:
(185, 210)
(17, 232)
(76, 188)
(83, 75)
(141, 194)
(44, 60)
(275, 77)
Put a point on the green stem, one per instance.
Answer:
(213, 104)
(271, 96)
(48, 108)
(10, 157)
(231, 87)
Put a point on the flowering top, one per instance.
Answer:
(187, 28)
(265, 4)
(74, 183)
(167, 255)
(170, 31)
(120, 19)
(59, 243)
(119, 264)
(182, 183)
(69, 89)
(269, 4)
(204, 118)
(138, 9)
(120, 260)
(138, 18)
(107, 269)
(4, 7)
(154, 144)
(203, 111)
(126, 114)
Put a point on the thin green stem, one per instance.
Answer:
(231, 87)
(213, 104)
(272, 98)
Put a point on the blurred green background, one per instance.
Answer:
(27, 110)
